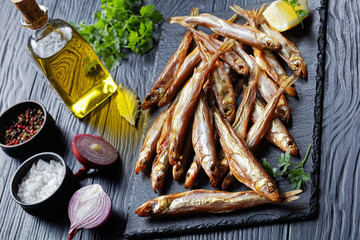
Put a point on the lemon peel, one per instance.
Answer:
(282, 16)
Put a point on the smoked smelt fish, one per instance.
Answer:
(179, 169)
(243, 113)
(288, 51)
(212, 201)
(165, 78)
(245, 34)
(204, 142)
(190, 62)
(161, 165)
(242, 162)
(230, 57)
(266, 87)
(148, 150)
(262, 124)
(192, 173)
(184, 109)
(268, 62)
(159, 171)
(277, 132)
(220, 84)
(261, 128)
(265, 58)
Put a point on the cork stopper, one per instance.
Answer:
(35, 16)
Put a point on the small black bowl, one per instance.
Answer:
(56, 203)
(46, 139)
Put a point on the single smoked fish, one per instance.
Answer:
(167, 75)
(245, 34)
(204, 142)
(242, 162)
(148, 150)
(201, 200)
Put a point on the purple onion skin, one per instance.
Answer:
(89, 207)
(105, 154)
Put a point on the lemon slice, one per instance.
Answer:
(281, 16)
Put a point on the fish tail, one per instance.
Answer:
(194, 11)
(291, 196)
(233, 18)
(227, 44)
(289, 81)
(251, 15)
(179, 20)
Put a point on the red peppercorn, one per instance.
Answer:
(23, 127)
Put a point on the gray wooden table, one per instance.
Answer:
(339, 213)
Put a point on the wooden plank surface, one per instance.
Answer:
(339, 176)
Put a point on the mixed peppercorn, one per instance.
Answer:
(23, 127)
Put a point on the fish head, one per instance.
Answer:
(268, 189)
(153, 207)
(152, 98)
(267, 42)
(289, 144)
(283, 112)
(298, 65)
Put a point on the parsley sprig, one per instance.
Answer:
(295, 175)
(300, 13)
(121, 26)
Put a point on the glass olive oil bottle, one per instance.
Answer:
(68, 61)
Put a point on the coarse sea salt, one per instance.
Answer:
(40, 181)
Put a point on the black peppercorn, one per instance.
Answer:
(23, 127)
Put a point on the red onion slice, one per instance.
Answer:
(93, 152)
(89, 207)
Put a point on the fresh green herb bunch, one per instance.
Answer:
(121, 25)
(296, 176)
(301, 14)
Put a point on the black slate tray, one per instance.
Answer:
(305, 127)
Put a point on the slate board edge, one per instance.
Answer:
(316, 155)
(209, 228)
(316, 152)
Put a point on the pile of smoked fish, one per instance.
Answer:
(200, 88)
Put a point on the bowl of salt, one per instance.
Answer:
(42, 185)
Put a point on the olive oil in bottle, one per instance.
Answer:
(69, 63)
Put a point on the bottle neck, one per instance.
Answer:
(40, 22)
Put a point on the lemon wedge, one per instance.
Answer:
(281, 16)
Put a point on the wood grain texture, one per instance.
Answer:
(339, 183)
(339, 174)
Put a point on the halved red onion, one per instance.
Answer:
(93, 152)
(89, 207)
